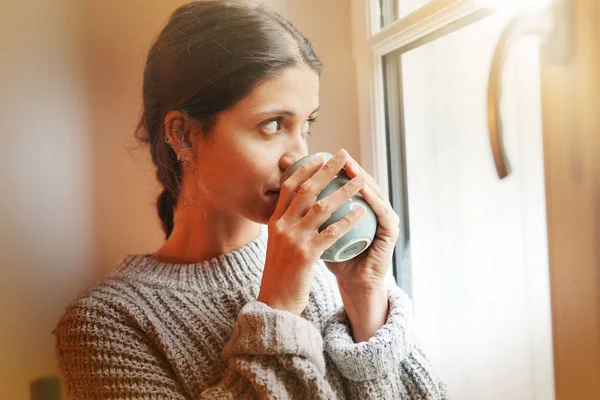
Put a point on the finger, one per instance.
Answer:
(309, 190)
(328, 236)
(353, 169)
(322, 209)
(288, 189)
(386, 216)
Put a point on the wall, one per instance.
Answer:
(46, 224)
(77, 195)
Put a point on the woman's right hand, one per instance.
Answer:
(295, 244)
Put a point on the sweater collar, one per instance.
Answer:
(235, 269)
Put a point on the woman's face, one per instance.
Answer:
(254, 141)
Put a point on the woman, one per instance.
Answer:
(227, 308)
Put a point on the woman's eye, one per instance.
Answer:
(272, 127)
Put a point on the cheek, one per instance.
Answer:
(254, 177)
(257, 164)
(238, 180)
(239, 170)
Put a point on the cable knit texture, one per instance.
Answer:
(154, 330)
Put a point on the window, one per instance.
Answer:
(400, 26)
(471, 252)
(392, 10)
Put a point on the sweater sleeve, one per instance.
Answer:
(271, 354)
(389, 365)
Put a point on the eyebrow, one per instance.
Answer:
(285, 112)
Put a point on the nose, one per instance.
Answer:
(294, 149)
(290, 158)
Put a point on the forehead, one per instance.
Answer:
(295, 89)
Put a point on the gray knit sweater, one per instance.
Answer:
(153, 330)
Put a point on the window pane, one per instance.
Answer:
(477, 244)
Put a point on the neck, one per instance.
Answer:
(199, 235)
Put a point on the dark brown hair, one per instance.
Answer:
(209, 56)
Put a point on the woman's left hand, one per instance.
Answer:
(361, 279)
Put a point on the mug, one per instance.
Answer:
(360, 237)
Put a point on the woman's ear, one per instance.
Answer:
(178, 130)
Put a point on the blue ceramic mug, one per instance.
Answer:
(360, 237)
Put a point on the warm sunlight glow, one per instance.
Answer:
(515, 5)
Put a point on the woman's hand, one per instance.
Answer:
(295, 244)
(361, 279)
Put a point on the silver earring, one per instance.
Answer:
(167, 139)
